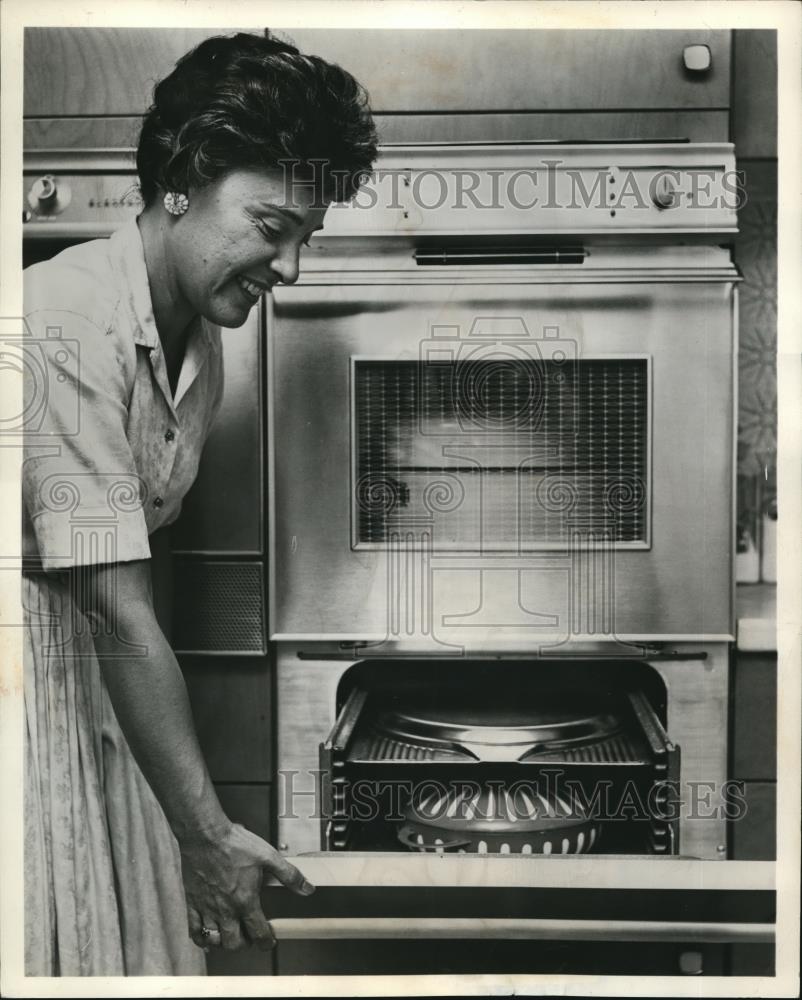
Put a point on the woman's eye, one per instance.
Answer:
(269, 232)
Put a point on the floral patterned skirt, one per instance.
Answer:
(103, 890)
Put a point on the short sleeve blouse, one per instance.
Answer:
(109, 452)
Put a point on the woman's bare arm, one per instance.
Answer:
(222, 862)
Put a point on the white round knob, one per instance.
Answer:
(664, 192)
(49, 196)
(45, 189)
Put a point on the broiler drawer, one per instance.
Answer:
(576, 915)
(323, 746)
(562, 760)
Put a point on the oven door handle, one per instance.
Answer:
(488, 255)
(520, 929)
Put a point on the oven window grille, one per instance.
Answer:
(506, 453)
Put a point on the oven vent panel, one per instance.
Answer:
(501, 452)
(219, 607)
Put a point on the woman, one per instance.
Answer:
(128, 853)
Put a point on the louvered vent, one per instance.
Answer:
(501, 453)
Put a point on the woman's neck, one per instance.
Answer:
(171, 311)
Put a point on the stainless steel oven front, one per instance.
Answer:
(511, 460)
(501, 455)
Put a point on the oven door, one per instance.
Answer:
(515, 463)
(396, 914)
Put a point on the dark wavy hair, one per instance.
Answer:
(254, 101)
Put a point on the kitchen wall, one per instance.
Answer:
(754, 130)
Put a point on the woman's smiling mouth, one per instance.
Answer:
(254, 290)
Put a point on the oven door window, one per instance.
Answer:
(505, 453)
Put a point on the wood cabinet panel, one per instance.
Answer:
(752, 960)
(99, 71)
(754, 836)
(248, 805)
(111, 71)
(222, 512)
(491, 957)
(80, 133)
(754, 729)
(754, 111)
(232, 707)
(527, 70)
(249, 962)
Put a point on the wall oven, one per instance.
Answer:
(512, 436)
(501, 434)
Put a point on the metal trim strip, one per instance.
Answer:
(112, 160)
(433, 928)
(376, 868)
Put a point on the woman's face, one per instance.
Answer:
(241, 235)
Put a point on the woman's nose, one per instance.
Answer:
(286, 265)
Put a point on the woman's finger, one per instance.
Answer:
(195, 924)
(289, 875)
(194, 921)
(258, 929)
(231, 934)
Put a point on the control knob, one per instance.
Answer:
(664, 191)
(48, 197)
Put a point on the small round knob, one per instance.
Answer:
(45, 189)
(664, 192)
(49, 196)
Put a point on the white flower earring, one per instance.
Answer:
(176, 203)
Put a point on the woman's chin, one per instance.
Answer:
(229, 314)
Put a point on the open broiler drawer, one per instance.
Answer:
(439, 914)
(571, 763)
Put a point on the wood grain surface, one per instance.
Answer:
(111, 71)
(755, 93)
(519, 126)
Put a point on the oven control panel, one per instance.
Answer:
(90, 201)
(591, 189)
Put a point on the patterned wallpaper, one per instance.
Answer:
(756, 255)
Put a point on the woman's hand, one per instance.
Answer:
(222, 880)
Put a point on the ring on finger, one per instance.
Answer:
(210, 935)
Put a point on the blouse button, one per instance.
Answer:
(158, 502)
(169, 435)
